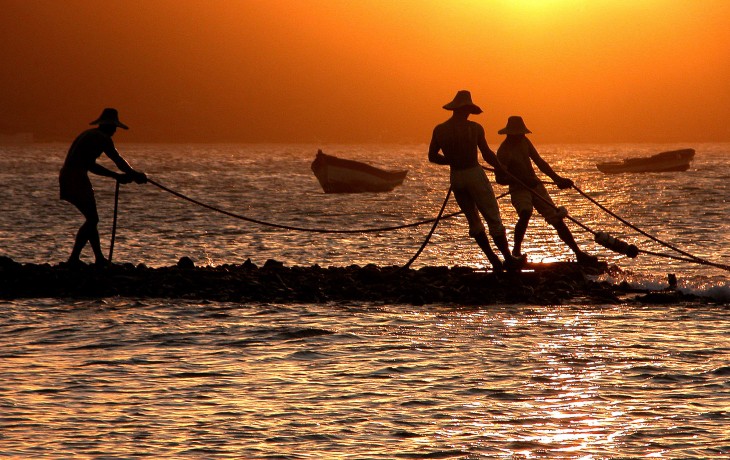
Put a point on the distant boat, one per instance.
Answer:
(337, 175)
(674, 160)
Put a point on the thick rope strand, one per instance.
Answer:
(289, 227)
(433, 228)
(114, 223)
(691, 257)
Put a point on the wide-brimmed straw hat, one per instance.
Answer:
(109, 116)
(463, 99)
(515, 125)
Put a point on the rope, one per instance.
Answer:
(428, 237)
(688, 257)
(633, 227)
(435, 221)
(293, 228)
(546, 201)
(114, 224)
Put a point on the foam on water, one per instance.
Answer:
(716, 288)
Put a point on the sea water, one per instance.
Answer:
(173, 378)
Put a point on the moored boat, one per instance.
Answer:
(673, 160)
(337, 175)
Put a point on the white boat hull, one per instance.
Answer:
(337, 175)
(674, 160)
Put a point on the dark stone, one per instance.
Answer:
(186, 263)
(273, 264)
(543, 284)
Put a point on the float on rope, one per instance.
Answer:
(616, 245)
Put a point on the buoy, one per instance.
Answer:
(672, 279)
(616, 245)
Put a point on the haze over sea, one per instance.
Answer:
(167, 378)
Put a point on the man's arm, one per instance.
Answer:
(487, 153)
(121, 163)
(99, 170)
(433, 152)
(137, 176)
(500, 172)
(543, 165)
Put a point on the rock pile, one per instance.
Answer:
(538, 284)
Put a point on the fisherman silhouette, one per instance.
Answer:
(75, 186)
(516, 154)
(459, 138)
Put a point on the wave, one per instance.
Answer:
(715, 288)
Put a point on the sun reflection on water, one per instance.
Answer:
(166, 379)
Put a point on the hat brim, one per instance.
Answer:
(513, 131)
(473, 108)
(116, 123)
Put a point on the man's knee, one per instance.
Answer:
(496, 229)
(525, 214)
(481, 236)
(556, 216)
(92, 219)
(476, 229)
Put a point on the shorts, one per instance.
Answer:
(524, 201)
(75, 187)
(474, 194)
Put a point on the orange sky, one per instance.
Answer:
(323, 71)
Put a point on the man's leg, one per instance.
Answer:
(485, 201)
(476, 228)
(483, 243)
(567, 236)
(87, 232)
(79, 243)
(554, 216)
(96, 244)
(520, 230)
(489, 208)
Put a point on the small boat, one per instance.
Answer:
(674, 160)
(337, 175)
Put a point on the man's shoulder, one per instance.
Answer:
(97, 137)
(442, 129)
(93, 134)
(450, 123)
(442, 125)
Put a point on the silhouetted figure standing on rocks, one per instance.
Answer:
(74, 180)
(459, 138)
(516, 154)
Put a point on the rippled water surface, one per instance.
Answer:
(170, 378)
(275, 184)
(163, 379)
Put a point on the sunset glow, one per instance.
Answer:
(329, 70)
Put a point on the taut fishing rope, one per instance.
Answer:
(689, 257)
(435, 220)
(634, 227)
(289, 227)
(114, 224)
(433, 228)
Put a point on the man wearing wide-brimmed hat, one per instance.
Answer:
(516, 154)
(459, 139)
(74, 178)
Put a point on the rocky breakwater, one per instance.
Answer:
(274, 282)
